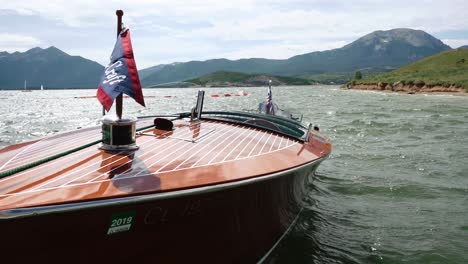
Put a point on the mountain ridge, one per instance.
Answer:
(379, 50)
(50, 67)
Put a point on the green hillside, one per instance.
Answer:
(444, 69)
(220, 77)
(224, 78)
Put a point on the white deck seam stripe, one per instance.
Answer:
(182, 144)
(256, 144)
(176, 141)
(238, 144)
(145, 175)
(76, 171)
(211, 150)
(266, 142)
(168, 142)
(22, 159)
(46, 164)
(110, 157)
(17, 154)
(274, 141)
(220, 162)
(259, 131)
(58, 145)
(202, 148)
(281, 142)
(179, 142)
(227, 145)
(62, 139)
(183, 153)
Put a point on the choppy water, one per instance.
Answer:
(394, 190)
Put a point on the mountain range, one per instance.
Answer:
(49, 67)
(378, 51)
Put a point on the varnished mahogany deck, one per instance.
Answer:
(193, 155)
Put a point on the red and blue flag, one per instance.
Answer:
(121, 75)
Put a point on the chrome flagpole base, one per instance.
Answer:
(118, 134)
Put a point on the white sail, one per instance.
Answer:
(25, 87)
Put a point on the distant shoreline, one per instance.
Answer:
(409, 88)
(164, 87)
(47, 89)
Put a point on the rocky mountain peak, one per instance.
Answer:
(415, 38)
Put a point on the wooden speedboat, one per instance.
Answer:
(203, 187)
(223, 188)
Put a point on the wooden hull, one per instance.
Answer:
(234, 222)
(223, 189)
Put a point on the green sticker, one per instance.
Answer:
(121, 222)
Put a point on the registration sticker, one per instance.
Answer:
(121, 222)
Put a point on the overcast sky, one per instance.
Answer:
(166, 31)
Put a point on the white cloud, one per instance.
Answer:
(455, 43)
(281, 51)
(164, 31)
(14, 42)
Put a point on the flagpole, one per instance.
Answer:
(119, 99)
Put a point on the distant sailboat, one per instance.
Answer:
(25, 85)
(42, 87)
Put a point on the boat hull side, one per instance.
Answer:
(236, 224)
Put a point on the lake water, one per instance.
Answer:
(394, 190)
